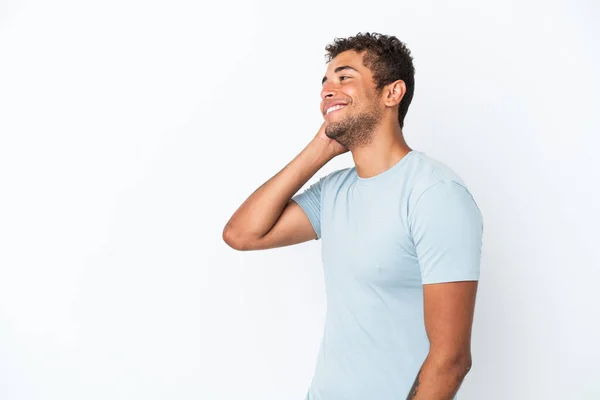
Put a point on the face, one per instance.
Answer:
(350, 103)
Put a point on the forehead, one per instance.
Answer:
(348, 57)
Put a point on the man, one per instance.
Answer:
(401, 236)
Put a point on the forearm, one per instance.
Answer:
(439, 378)
(257, 215)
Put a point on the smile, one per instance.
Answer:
(334, 108)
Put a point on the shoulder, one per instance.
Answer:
(338, 177)
(427, 172)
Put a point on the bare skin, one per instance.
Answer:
(268, 218)
(367, 126)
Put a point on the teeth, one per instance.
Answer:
(335, 108)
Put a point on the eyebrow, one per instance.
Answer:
(338, 69)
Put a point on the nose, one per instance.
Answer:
(329, 90)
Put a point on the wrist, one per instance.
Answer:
(320, 150)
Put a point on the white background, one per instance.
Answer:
(132, 130)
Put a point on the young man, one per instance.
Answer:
(401, 236)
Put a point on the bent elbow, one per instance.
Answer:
(233, 240)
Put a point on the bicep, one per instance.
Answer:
(447, 231)
(292, 227)
(449, 309)
(446, 228)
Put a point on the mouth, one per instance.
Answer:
(333, 109)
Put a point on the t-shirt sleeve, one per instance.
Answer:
(310, 201)
(447, 228)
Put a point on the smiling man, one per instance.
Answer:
(401, 236)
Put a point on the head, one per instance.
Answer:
(369, 81)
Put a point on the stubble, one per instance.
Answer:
(355, 130)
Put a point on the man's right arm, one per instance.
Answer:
(269, 218)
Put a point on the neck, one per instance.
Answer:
(386, 148)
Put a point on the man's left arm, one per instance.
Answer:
(449, 309)
(446, 227)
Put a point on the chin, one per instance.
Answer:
(339, 135)
(333, 132)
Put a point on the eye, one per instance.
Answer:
(342, 78)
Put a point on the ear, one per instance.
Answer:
(393, 93)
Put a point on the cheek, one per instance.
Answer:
(360, 96)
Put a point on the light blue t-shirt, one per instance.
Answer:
(383, 238)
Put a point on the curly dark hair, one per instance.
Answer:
(388, 59)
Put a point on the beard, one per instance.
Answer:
(355, 130)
